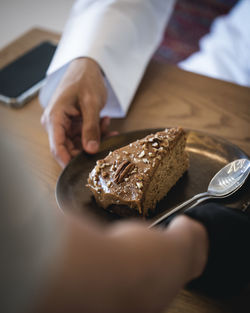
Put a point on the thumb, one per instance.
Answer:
(91, 127)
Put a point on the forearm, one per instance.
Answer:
(127, 268)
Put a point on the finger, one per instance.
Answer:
(75, 128)
(69, 144)
(77, 143)
(74, 146)
(104, 125)
(90, 126)
(58, 140)
(112, 133)
(75, 152)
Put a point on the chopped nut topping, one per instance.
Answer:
(102, 165)
(125, 152)
(151, 139)
(130, 145)
(134, 170)
(139, 185)
(151, 155)
(113, 167)
(158, 157)
(141, 154)
(158, 137)
(145, 160)
(155, 144)
(109, 183)
(97, 169)
(165, 144)
(105, 174)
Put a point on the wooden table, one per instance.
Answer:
(167, 96)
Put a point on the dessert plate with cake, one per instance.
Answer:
(145, 174)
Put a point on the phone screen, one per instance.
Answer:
(26, 71)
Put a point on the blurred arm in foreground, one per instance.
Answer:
(54, 262)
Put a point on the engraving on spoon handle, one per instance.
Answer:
(178, 208)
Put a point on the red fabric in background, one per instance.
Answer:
(190, 21)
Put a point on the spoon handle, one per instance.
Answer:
(201, 200)
(179, 207)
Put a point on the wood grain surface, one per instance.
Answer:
(167, 96)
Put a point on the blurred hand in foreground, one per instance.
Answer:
(72, 116)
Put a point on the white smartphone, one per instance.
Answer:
(21, 79)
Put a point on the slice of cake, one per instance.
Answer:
(141, 173)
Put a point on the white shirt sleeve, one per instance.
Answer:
(224, 52)
(120, 35)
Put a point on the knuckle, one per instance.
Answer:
(46, 116)
(90, 99)
(45, 120)
(54, 152)
(42, 120)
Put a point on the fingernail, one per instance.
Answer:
(92, 146)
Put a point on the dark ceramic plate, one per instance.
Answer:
(208, 154)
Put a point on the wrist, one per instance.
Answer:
(86, 62)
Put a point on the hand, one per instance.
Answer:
(72, 116)
(227, 269)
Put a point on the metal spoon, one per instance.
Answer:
(225, 183)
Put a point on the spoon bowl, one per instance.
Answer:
(229, 178)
